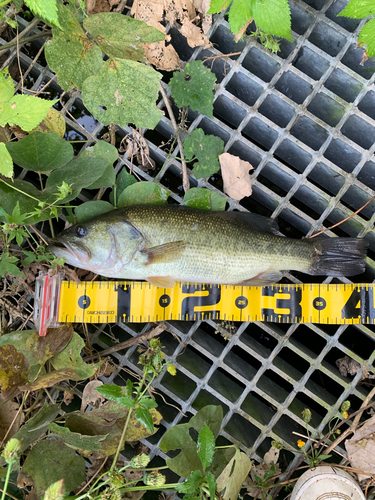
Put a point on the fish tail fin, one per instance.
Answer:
(338, 256)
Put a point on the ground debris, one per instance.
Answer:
(361, 449)
(347, 366)
(236, 177)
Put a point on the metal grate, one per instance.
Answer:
(305, 119)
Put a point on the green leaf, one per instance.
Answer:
(194, 87)
(70, 54)
(120, 36)
(129, 388)
(367, 37)
(9, 198)
(143, 192)
(6, 86)
(92, 209)
(6, 166)
(50, 461)
(191, 484)
(25, 111)
(358, 9)
(147, 403)
(206, 148)
(212, 486)
(206, 446)
(144, 417)
(76, 440)
(178, 437)
(46, 9)
(218, 5)
(14, 368)
(240, 13)
(272, 16)
(116, 393)
(231, 479)
(204, 199)
(78, 173)
(123, 92)
(108, 153)
(70, 358)
(7, 266)
(41, 152)
(324, 457)
(123, 180)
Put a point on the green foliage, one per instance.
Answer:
(22, 110)
(92, 209)
(143, 192)
(206, 149)
(109, 154)
(116, 393)
(241, 12)
(6, 166)
(75, 440)
(357, 9)
(204, 199)
(206, 446)
(194, 87)
(367, 37)
(231, 479)
(45, 9)
(123, 180)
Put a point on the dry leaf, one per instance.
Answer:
(90, 395)
(239, 35)
(236, 177)
(5, 134)
(347, 366)
(149, 11)
(163, 57)
(8, 411)
(68, 397)
(361, 449)
(194, 35)
(202, 6)
(260, 470)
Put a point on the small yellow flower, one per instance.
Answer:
(345, 414)
(172, 370)
(338, 432)
(301, 443)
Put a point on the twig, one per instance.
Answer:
(93, 477)
(20, 41)
(185, 178)
(221, 55)
(45, 86)
(20, 83)
(133, 341)
(318, 443)
(338, 223)
(120, 7)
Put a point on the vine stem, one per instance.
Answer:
(22, 41)
(8, 474)
(122, 439)
(185, 177)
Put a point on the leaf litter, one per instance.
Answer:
(236, 177)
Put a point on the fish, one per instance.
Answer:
(165, 244)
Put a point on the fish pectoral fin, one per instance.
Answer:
(263, 279)
(165, 252)
(162, 281)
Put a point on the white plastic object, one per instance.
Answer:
(46, 303)
(327, 483)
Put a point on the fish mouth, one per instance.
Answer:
(73, 254)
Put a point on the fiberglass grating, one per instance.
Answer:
(305, 119)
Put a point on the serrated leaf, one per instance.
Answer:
(70, 53)
(194, 87)
(204, 199)
(50, 461)
(7, 266)
(70, 357)
(143, 192)
(240, 13)
(179, 438)
(217, 6)
(25, 111)
(231, 479)
(116, 393)
(46, 9)
(271, 16)
(6, 165)
(92, 209)
(191, 484)
(358, 9)
(9, 197)
(147, 403)
(144, 417)
(41, 152)
(108, 153)
(206, 446)
(123, 180)
(212, 486)
(6, 86)
(206, 148)
(123, 92)
(120, 36)
(76, 440)
(53, 122)
(367, 37)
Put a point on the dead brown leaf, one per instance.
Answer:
(18, 132)
(50, 379)
(8, 411)
(202, 6)
(14, 368)
(96, 6)
(194, 35)
(236, 177)
(5, 134)
(68, 397)
(90, 395)
(361, 449)
(162, 56)
(56, 340)
(149, 11)
(239, 35)
(347, 366)
(272, 456)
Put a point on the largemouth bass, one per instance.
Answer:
(164, 244)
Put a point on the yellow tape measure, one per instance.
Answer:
(138, 302)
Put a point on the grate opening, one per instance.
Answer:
(367, 174)
(352, 59)
(327, 39)
(223, 41)
(228, 112)
(315, 4)
(324, 386)
(302, 401)
(355, 198)
(309, 132)
(359, 131)
(367, 104)
(261, 64)
(242, 362)
(258, 408)
(343, 155)
(205, 398)
(277, 110)
(310, 63)
(226, 385)
(260, 133)
(293, 87)
(326, 179)
(301, 18)
(244, 88)
(293, 156)
(344, 85)
(286, 48)
(364, 346)
(194, 361)
(284, 429)
(345, 22)
(327, 109)
(246, 153)
(310, 339)
(275, 386)
(180, 385)
(242, 430)
(290, 363)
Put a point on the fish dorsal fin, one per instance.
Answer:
(166, 252)
(162, 281)
(252, 221)
(263, 279)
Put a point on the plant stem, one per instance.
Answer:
(172, 486)
(2, 4)
(19, 190)
(14, 43)
(122, 439)
(9, 470)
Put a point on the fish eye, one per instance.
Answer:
(80, 231)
